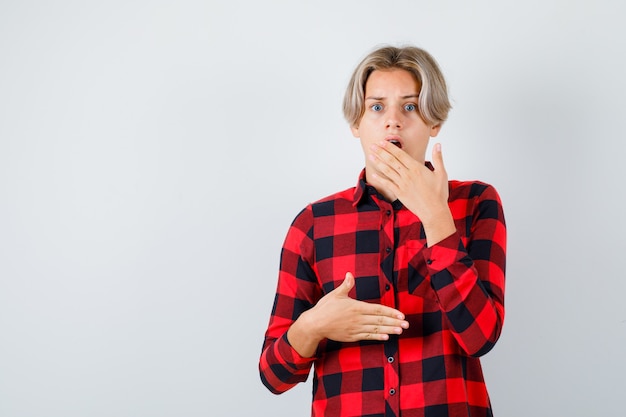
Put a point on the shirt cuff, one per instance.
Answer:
(443, 254)
(291, 357)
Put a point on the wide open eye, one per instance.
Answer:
(410, 107)
(376, 107)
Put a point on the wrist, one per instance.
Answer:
(438, 227)
(303, 335)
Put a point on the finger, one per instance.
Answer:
(385, 174)
(374, 312)
(372, 336)
(384, 170)
(386, 330)
(388, 155)
(378, 333)
(396, 152)
(386, 322)
(346, 285)
(438, 158)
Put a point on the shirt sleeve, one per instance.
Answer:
(280, 366)
(469, 281)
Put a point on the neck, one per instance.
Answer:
(389, 196)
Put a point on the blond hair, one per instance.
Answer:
(433, 103)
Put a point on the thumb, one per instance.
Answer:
(438, 158)
(346, 285)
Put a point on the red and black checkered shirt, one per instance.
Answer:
(452, 294)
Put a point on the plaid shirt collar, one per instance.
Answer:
(361, 190)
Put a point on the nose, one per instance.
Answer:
(394, 119)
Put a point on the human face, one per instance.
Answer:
(391, 114)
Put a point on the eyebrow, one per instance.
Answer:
(382, 98)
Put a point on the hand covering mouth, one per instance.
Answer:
(395, 142)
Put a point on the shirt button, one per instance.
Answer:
(392, 391)
(388, 212)
(388, 250)
(429, 261)
(390, 359)
(387, 287)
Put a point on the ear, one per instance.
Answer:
(434, 130)
(355, 131)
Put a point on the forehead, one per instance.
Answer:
(392, 81)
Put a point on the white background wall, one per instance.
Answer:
(153, 154)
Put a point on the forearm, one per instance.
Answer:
(438, 226)
(302, 337)
(470, 297)
(467, 267)
(281, 367)
(475, 316)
